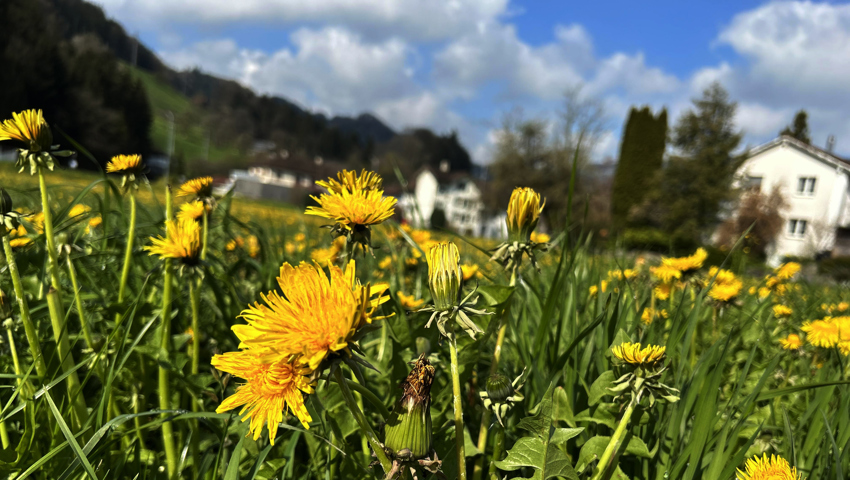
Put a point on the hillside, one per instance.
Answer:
(111, 94)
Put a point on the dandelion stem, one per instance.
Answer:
(165, 348)
(205, 234)
(128, 251)
(29, 328)
(48, 235)
(365, 429)
(614, 445)
(78, 301)
(63, 347)
(458, 405)
(498, 449)
(478, 470)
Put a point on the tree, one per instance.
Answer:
(527, 155)
(762, 212)
(800, 128)
(696, 183)
(641, 157)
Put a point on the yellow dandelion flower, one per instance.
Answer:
(469, 271)
(822, 333)
(235, 243)
(687, 264)
(540, 237)
(78, 209)
(764, 468)
(764, 292)
(725, 292)
(593, 290)
(385, 263)
(253, 247)
(444, 275)
(316, 315)
(615, 274)
(125, 164)
(409, 302)
(300, 237)
(649, 314)
(197, 187)
(633, 354)
(524, 209)
(780, 311)
(349, 180)
(324, 255)
(791, 342)
(183, 242)
(665, 273)
(192, 210)
(269, 390)
(663, 290)
(29, 127)
(787, 270)
(353, 201)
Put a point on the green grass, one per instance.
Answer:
(741, 394)
(190, 135)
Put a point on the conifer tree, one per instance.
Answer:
(641, 157)
(800, 128)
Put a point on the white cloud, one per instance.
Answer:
(761, 121)
(412, 19)
(330, 69)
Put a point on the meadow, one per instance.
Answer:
(119, 345)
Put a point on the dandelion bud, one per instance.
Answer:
(408, 434)
(444, 275)
(524, 211)
(5, 202)
(499, 388)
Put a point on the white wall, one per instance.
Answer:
(782, 166)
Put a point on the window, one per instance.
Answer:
(753, 183)
(797, 228)
(806, 186)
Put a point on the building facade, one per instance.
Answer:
(814, 183)
(458, 197)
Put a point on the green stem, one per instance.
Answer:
(29, 328)
(458, 405)
(365, 429)
(195, 301)
(205, 234)
(63, 347)
(604, 467)
(128, 251)
(498, 449)
(165, 348)
(52, 254)
(478, 470)
(78, 301)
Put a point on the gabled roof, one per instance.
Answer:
(810, 150)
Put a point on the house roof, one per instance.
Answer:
(811, 150)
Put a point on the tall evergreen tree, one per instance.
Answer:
(696, 184)
(800, 128)
(641, 157)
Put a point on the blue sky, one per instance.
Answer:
(462, 64)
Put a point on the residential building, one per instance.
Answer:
(456, 194)
(814, 183)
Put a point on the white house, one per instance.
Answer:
(814, 183)
(457, 195)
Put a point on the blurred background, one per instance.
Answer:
(455, 103)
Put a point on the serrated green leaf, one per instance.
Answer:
(600, 387)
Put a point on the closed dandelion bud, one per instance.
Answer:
(499, 388)
(524, 211)
(444, 275)
(408, 433)
(5, 202)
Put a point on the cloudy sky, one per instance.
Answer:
(461, 64)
